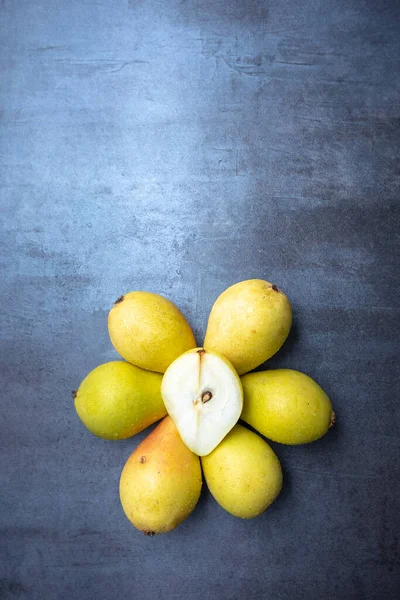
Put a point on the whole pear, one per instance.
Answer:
(117, 400)
(249, 323)
(161, 481)
(243, 473)
(148, 330)
(286, 406)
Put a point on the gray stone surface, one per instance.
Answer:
(180, 147)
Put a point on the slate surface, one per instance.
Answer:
(180, 147)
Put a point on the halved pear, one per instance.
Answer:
(203, 394)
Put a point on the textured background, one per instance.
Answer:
(180, 147)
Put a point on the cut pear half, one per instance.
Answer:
(203, 394)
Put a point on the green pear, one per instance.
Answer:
(148, 330)
(117, 400)
(249, 323)
(161, 481)
(243, 473)
(286, 406)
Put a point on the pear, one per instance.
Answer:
(243, 473)
(161, 481)
(148, 330)
(286, 406)
(117, 400)
(203, 395)
(249, 323)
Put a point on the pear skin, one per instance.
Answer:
(248, 323)
(286, 406)
(117, 400)
(161, 481)
(243, 473)
(149, 331)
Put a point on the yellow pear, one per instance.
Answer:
(249, 323)
(243, 473)
(117, 400)
(148, 330)
(161, 481)
(286, 406)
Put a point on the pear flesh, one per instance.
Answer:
(286, 406)
(161, 481)
(248, 323)
(117, 400)
(203, 395)
(243, 473)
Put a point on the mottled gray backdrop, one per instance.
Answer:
(179, 147)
